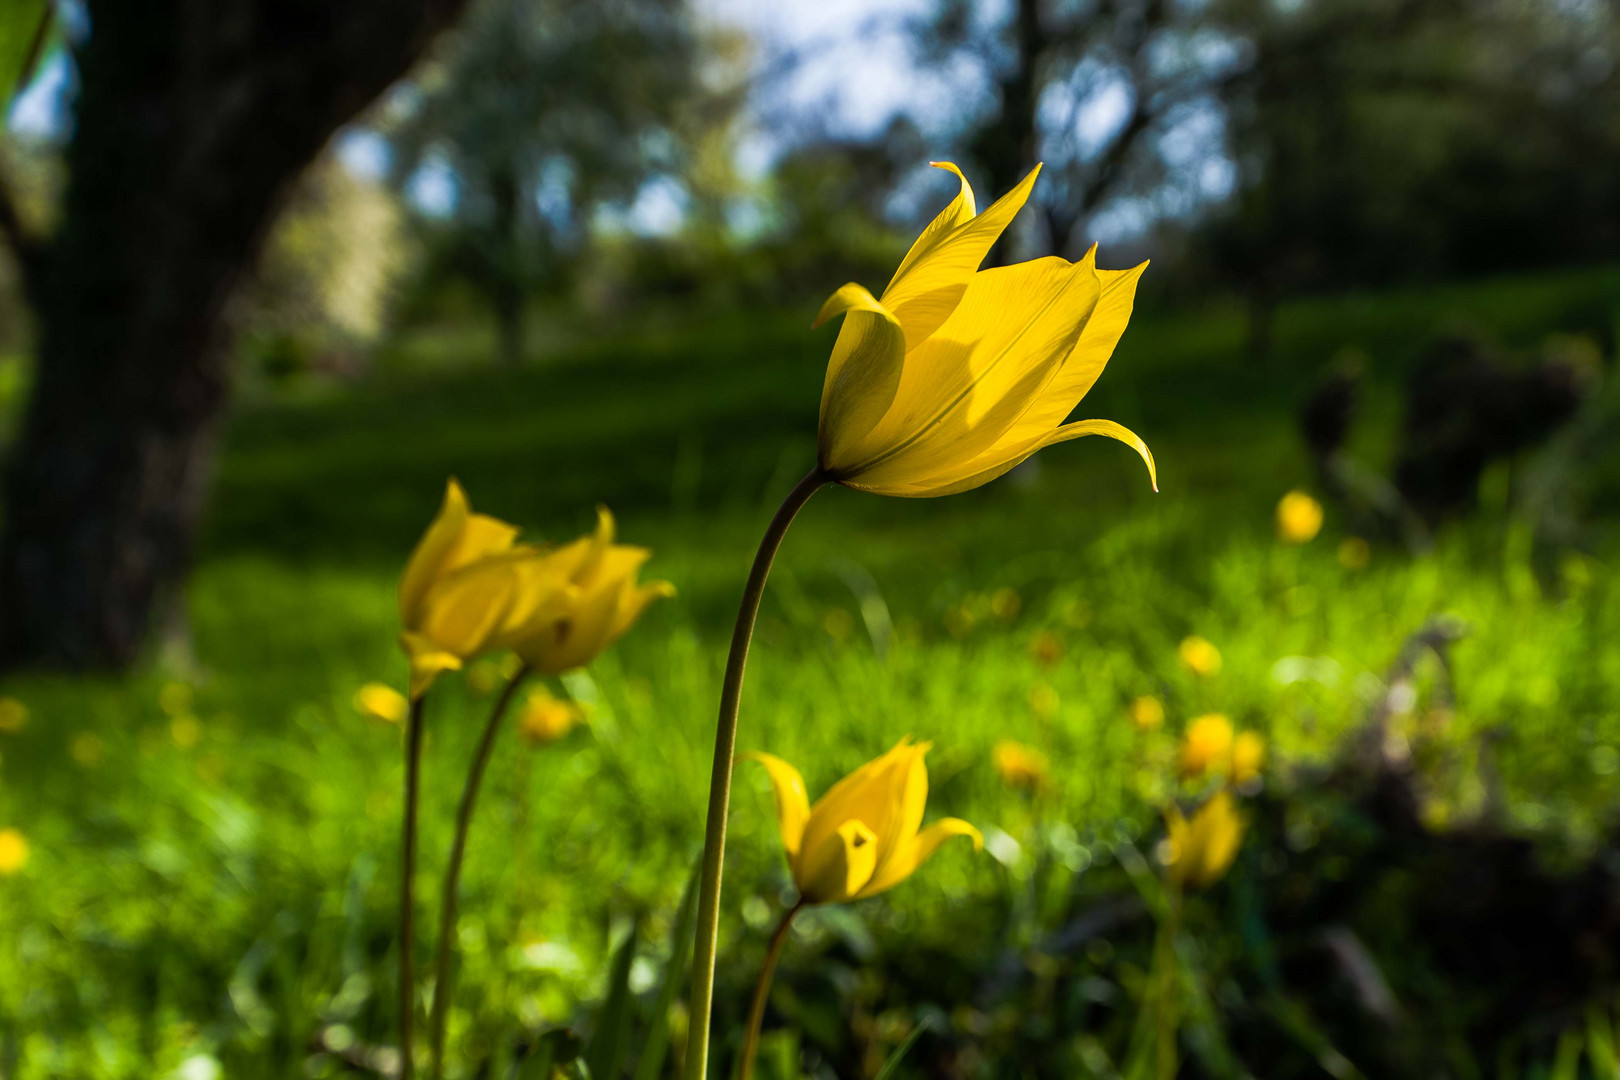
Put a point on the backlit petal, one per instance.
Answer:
(837, 869)
(792, 802)
(924, 293)
(427, 662)
(960, 211)
(921, 848)
(430, 551)
(872, 793)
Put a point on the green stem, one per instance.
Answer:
(407, 907)
(452, 874)
(1168, 989)
(725, 747)
(762, 991)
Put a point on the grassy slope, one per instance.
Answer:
(260, 858)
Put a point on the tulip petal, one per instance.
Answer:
(430, 551)
(959, 212)
(862, 374)
(1001, 459)
(792, 801)
(919, 851)
(837, 869)
(908, 798)
(925, 292)
(872, 793)
(969, 383)
(428, 661)
(1091, 353)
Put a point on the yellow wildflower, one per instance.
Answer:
(13, 852)
(1201, 657)
(1202, 850)
(381, 702)
(1299, 518)
(862, 836)
(1248, 756)
(1147, 712)
(545, 719)
(13, 715)
(955, 375)
(1019, 766)
(1208, 745)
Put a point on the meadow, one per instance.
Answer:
(213, 840)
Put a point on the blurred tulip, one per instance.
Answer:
(1208, 745)
(1299, 518)
(578, 600)
(13, 852)
(956, 375)
(1202, 850)
(13, 715)
(381, 702)
(545, 719)
(1201, 658)
(1147, 712)
(449, 616)
(1019, 766)
(1248, 756)
(862, 837)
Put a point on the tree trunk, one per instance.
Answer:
(193, 118)
(1006, 147)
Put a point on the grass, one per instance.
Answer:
(213, 846)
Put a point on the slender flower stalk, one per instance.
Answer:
(407, 906)
(725, 748)
(452, 878)
(762, 991)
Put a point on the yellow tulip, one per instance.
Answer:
(1147, 712)
(1208, 745)
(578, 600)
(449, 614)
(956, 375)
(13, 852)
(1299, 518)
(1202, 850)
(381, 702)
(1201, 657)
(862, 836)
(1019, 766)
(546, 719)
(1248, 755)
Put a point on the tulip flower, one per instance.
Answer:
(1019, 766)
(1208, 745)
(447, 614)
(545, 719)
(381, 702)
(1147, 712)
(13, 852)
(862, 837)
(955, 374)
(1201, 657)
(1201, 850)
(578, 600)
(1248, 755)
(1299, 518)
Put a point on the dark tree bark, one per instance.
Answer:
(193, 118)
(1006, 147)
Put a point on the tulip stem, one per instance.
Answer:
(725, 749)
(407, 906)
(762, 991)
(452, 875)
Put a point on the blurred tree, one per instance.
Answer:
(191, 122)
(1082, 85)
(546, 110)
(1405, 138)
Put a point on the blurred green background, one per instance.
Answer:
(569, 255)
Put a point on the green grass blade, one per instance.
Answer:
(1567, 1064)
(893, 1063)
(656, 1045)
(605, 1052)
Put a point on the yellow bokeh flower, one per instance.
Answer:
(1201, 657)
(381, 702)
(13, 716)
(1248, 757)
(13, 852)
(578, 600)
(545, 718)
(1299, 518)
(1019, 766)
(864, 835)
(1147, 712)
(448, 614)
(956, 374)
(1208, 745)
(1200, 851)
